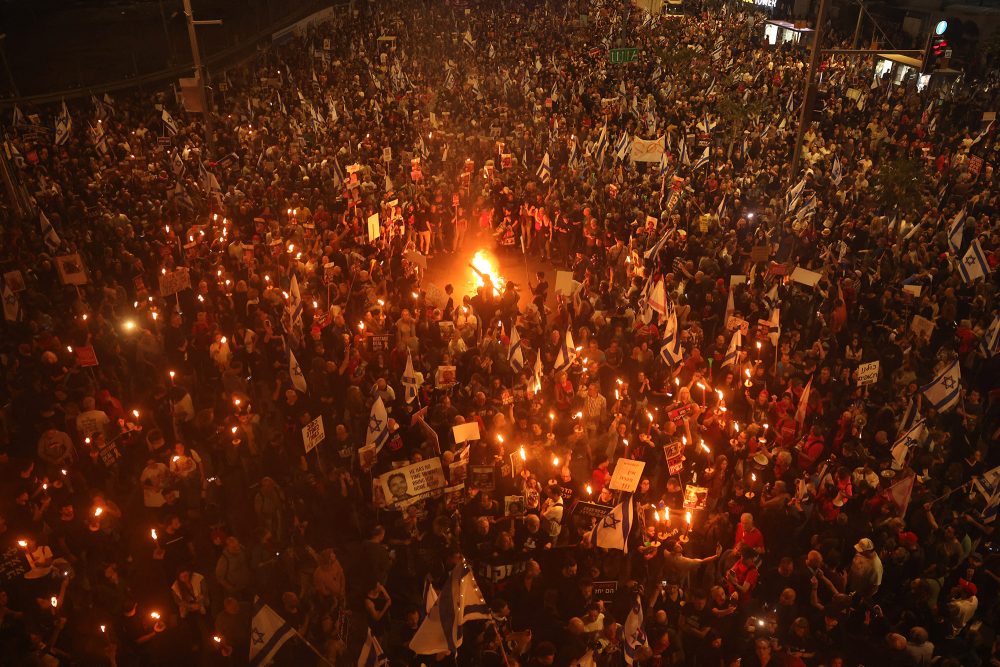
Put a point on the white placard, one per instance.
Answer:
(313, 434)
(564, 282)
(374, 231)
(915, 290)
(868, 373)
(626, 475)
(738, 279)
(805, 276)
(466, 432)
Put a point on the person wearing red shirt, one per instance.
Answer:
(749, 535)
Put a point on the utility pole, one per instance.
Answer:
(199, 73)
(805, 117)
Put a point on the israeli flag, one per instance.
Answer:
(990, 344)
(294, 307)
(169, 122)
(702, 161)
(914, 436)
(52, 240)
(410, 381)
(612, 531)
(836, 171)
(567, 353)
(973, 266)
(372, 654)
(515, 355)
(623, 145)
(268, 633)
(460, 601)
(295, 371)
(911, 416)
(64, 125)
(633, 632)
(734, 349)
(544, 172)
(378, 426)
(956, 230)
(793, 195)
(670, 348)
(943, 393)
(774, 327)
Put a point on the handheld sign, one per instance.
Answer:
(868, 373)
(626, 475)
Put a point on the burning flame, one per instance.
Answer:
(485, 265)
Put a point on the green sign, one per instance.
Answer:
(619, 56)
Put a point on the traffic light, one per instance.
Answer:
(938, 47)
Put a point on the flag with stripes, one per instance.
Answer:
(734, 349)
(911, 416)
(602, 145)
(943, 393)
(378, 425)
(566, 354)
(670, 346)
(621, 149)
(836, 171)
(295, 373)
(990, 343)
(294, 306)
(52, 240)
(986, 484)
(771, 298)
(468, 41)
(372, 654)
(177, 164)
(956, 229)
(268, 633)
(430, 597)
(544, 172)
(11, 304)
(64, 125)
(515, 355)
(181, 197)
(793, 196)
(915, 436)
(633, 632)
(774, 326)
(460, 601)
(701, 161)
(410, 382)
(683, 157)
(169, 122)
(612, 531)
(657, 296)
(974, 265)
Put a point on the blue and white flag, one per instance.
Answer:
(974, 266)
(986, 484)
(943, 393)
(621, 150)
(702, 161)
(268, 633)
(956, 230)
(632, 631)
(430, 598)
(683, 157)
(567, 353)
(670, 348)
(515, 355)
(914, 436)
(460, 601)
(654, 250)
(774, 326)
(734, 349)
(793, 196)
(911, 416)
(295, 371)
(544, 172)
(294, 306)
(990, 343)
(410, 381)
(612, 531)
(602, 145)
(836, 171)
(372, 654)
(64, 125)
(771, 298)
(52, 240)
(169, 122)
(378, 426)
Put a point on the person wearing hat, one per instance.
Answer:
(962, 606)
(865, 575)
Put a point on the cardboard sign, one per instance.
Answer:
(565, 283)
(605, 590)
(922, 326)
(313, 434)
(458, 471)
(591, 510)
(513, 506)
(681, 413)
(175, 281)
(86, 356)
(71, 270)
(367, 456)
(110, 454)
(868, 373)
(695, 497)
(734, 323)
(760, 254)
(483, 477)
(805, 276)
(374, 229)
(465, 432)
(626, 475)
(444, 377)
(737, 279)
(914, 290)
(447, 328)
(379, 342)
(401, 487)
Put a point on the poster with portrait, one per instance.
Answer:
(71, 270)
(513, 506)
(483, 477)
(401, 487)
(695, 497)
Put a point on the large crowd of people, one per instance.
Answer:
(740, 416)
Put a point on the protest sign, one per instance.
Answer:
(734, 323)
(404, 486)
(313, 433)
(466, 432)
(374, 230)
(868, 373)
(71, 270)
(483, 477)
(175, 281)
(444, 376)
(513, 506)
(626, 475)
(695, 497)
(805, 276)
